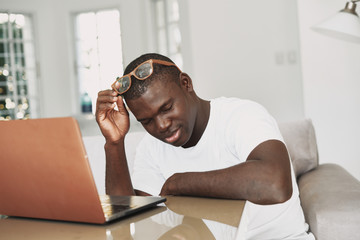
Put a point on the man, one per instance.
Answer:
(223, 148)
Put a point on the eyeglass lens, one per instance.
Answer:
(122, 84)
(143, 71)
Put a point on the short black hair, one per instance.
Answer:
(161, 72)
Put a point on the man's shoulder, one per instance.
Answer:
(234, 114)
(230, 113)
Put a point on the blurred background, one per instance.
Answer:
(56, 55)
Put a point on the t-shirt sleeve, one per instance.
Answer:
(250, 125)
(146, 175)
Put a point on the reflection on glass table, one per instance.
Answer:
(179, 218)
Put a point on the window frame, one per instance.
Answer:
(31, 83)
(167, 26)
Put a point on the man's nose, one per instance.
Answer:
(163, 124)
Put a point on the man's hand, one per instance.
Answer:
(114, 124)
(170, 186)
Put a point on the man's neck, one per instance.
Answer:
(202, 119)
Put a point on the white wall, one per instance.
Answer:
(247, 49)
(331, 78)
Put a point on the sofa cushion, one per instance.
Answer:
(330, 197)
(299, 137)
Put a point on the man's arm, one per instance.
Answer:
(117, 177)
(265, 178)
(114, 125)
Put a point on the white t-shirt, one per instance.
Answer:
(234, 129)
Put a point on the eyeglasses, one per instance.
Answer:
(141, 72)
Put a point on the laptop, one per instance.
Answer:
(45, 173)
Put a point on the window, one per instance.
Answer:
(98, 53)
(18, 88)
(167, 23)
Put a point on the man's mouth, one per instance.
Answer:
(174, 137)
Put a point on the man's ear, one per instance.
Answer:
(186, 82)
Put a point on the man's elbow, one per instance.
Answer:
(282, 192)
(274, 193)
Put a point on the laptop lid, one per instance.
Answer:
(45, 173)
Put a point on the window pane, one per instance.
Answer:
(92, 78)
(160, 13)
(177, 58)
(173, 10)
(20, 77)
(86, 26)
(4, 48)
(10, 88)
(4, 25)
(22, 90)
(162, 41)
(16, 58)
(3, 31)
(7, 114)
(2, 61)
(17, 22)
(98, 51)
(3, 85)
(18, 48)
(19, 60)
(23, 110)
(167, 29)
(174, 39)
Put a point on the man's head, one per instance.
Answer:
(161, 72)
(165, 103)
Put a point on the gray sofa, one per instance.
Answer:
(330, 196)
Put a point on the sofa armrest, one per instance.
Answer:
(330, 198)
(300, 140)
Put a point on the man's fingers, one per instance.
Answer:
(121, 106)
(107, 98)
(104, 103)
(107, 92)
(106, 106)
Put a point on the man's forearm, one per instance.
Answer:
(265, 178)
(117, 180)
(252, 180)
